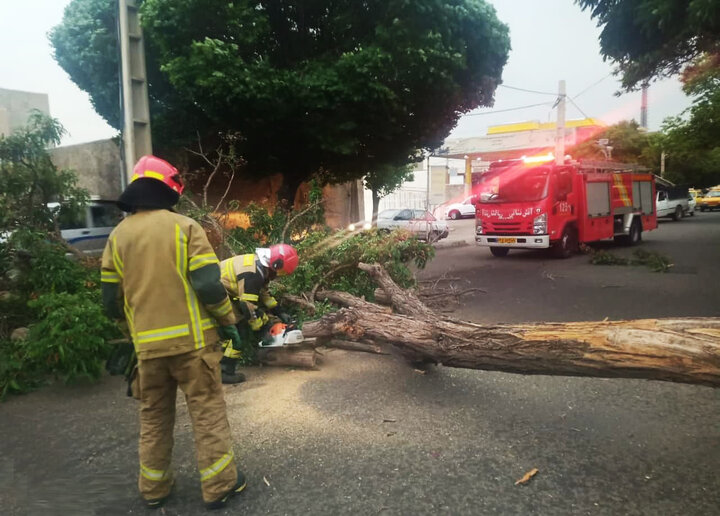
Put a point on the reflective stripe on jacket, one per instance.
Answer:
(243, 281)
(150, 255)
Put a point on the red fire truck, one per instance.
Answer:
(534, 203)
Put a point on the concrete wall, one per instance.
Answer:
(97, 165)
(15, 107)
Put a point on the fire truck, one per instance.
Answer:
(533, 203)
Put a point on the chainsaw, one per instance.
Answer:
(282, 335)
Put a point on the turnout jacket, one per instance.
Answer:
(246, 281)
(160, 266)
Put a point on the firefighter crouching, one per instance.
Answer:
(245, 278)
(159, 266)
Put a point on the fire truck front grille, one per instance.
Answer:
(501, 228)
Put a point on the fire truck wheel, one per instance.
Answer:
(678, 213)
(633, 237)
(567, 244)
(499, 251)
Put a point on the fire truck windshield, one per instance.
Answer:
(516, 184)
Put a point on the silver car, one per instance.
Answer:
(421, 223)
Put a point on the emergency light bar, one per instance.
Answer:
(539, 159)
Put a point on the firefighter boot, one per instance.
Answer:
(229, 375)
(223, 500)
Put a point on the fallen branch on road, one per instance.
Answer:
(679, 350)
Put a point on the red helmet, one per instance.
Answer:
(156, 168)
(283, 259)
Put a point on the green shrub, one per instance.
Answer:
(17, 372)
(44, 267)
(69, 340)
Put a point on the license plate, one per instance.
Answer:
(506, 240)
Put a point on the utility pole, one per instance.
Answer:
(468, 175)
(137, 140)
(427, 186)
(560, 125)
(644, 106)
(662, 164)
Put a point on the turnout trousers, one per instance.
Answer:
(197, 373)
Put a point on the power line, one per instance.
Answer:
(528, 91)
(593, 85)
(509, 109)
(577, 107)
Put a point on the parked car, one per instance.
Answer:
(672, 202)
(458, 210)
(88, 230)
(692, 205)
(711, 201)
(421, 223)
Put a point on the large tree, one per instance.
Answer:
(340, 87)
(630, 144)
(692, 140)
(650, 39)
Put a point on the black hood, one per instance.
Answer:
(146, 193)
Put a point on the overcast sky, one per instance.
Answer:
(551, 40)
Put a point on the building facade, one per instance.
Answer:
(16, 106)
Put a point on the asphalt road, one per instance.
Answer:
(533, 286)
(367, 435)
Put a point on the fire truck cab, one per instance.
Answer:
(534, 203)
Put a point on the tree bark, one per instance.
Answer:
(375, 206)
(683, 350)
(289, 357)
(351, 345)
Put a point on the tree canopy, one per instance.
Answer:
(692, 140)
(29, 180)
(630, 144)
(655, 38)
(337, 86)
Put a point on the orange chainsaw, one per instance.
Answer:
(280, 335)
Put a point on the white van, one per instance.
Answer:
(89, 230)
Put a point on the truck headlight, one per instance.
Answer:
(478, 227)
(540, 224)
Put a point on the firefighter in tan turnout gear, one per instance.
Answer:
(246, 277)
(160, 268)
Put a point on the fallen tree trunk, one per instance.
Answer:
(679, 350)
(289, 357)
(351, 345)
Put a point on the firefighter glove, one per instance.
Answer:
(259, 321)
(230, 333)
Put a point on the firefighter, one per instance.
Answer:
(245, 278)
(159, 266)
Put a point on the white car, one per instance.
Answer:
(421, 223)
(458, 210)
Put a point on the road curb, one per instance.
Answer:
(452, 245)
